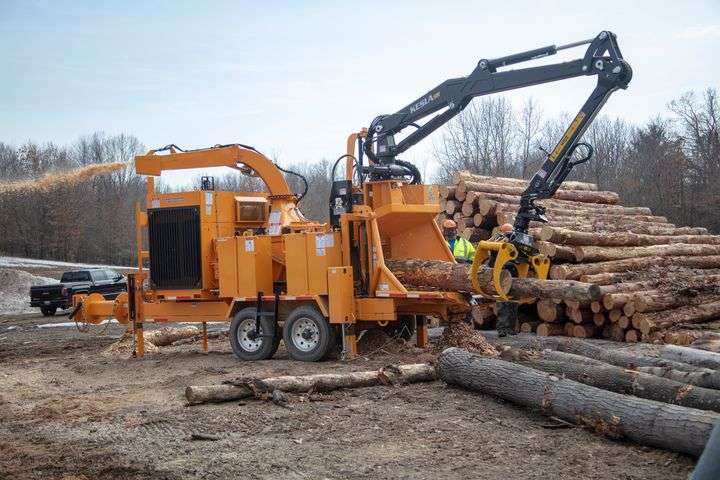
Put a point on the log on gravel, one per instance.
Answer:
(651, 322)
(322, 382)
(574, 272)
(170, 335)
(619, 380)
(646, 422)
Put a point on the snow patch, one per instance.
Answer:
(19, 262)
(15, 290)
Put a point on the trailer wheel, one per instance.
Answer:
(245, 344)
(307, 335)
(48, 311)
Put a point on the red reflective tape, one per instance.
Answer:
(160, 320)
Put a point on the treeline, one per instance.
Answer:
(91, 220)
(670, 164)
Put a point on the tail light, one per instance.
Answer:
(64, 292)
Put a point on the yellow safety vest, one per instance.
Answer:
(463, 249)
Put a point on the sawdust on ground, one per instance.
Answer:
(462, 335)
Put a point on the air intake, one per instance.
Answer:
(174, 241)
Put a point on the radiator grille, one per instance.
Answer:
(174, 241)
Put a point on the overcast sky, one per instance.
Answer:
(295, 78)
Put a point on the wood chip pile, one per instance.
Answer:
(661, 282)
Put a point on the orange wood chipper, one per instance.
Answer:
(253, 259)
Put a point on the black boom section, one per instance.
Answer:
(174, 241)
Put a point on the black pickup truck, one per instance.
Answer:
(59, 295)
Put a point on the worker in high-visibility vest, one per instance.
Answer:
(462, 250)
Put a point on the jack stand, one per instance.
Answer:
(421, 330)
(205, 338)
(349, 342)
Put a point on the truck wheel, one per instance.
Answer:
(307, 335)
(245, 344)
(48, 311)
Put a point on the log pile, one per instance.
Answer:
(659, 281)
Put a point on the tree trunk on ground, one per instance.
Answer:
(170, 335)
(574, 272)
(650, 322)
(620, 239)
(605, 254)
(620, 380)
(323, 382)
(646, 422)
(619, 357)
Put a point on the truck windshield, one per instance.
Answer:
(75, 277)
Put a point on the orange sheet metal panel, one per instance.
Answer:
(307, 258)
(227, 266)
(340, 293)
(323, 251)
(186, 311)
(254, 265)
(245, 266)
(296, 264)
(377, 309)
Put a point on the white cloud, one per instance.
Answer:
(699, 32)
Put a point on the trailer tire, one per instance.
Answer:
(48, 311)
(246, 348)
(307, 334)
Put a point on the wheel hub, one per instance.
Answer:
(305, 334)
(249, 339)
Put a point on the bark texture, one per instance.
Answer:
(323, 382)
(646, 422)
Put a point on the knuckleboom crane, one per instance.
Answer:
(515, 250)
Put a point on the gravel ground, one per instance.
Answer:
(69, 412)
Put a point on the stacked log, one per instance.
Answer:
(657, 278)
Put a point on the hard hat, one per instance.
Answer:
(447, 223)
(506, 228)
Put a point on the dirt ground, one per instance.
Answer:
(68, 412)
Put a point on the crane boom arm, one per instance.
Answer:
(602, 58)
